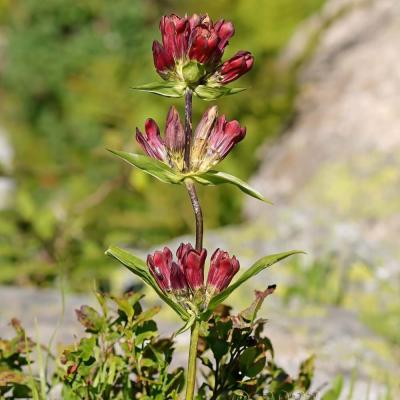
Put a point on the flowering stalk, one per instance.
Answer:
(197, 212)
(189, 61)
(194, 333)
(188, 126)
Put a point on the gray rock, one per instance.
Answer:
(334, 177)
(43, 313)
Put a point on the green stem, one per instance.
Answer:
(198, 214)
(191, 370)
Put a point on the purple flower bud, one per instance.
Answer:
(200, 138)
(235, 67)
(214, 138)
(225, 30)
(224, 136)
(187, 39)
(162, 60)
(178, 280)
(192, 263)
(152, 143)
(175, 35)
(204, 43)
(160, 264)
(175, 139)
(223, 268)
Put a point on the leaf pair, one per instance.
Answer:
(139, 268)
(176, 89)
(166, 174)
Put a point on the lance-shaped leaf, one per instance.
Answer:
(210, 93)
(255, 269)
(151, 166)
(166, 89)
(139, 268)
(217, 178)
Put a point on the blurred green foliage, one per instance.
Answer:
(65, 82)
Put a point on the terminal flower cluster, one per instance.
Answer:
(192, 48)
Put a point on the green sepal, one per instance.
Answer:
(140, 268)
(217, 178)
(151, 166)
(210, 93)
(163, 88)
(255, 269)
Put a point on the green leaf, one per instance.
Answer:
(86, 348)
(255, 269)
(240, 394)
(151, 166)
(164, 88)
(173, 382)
(209, 93)
(126, 304)
(142, 337)
(219, 347)
(139, 268)
(306, 374)
(217, 178)
(252, 361)
(189, 323)
(335, 391)
(147, 315)
(90, 319)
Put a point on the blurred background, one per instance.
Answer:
(323, 143)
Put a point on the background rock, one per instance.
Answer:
(334, 177)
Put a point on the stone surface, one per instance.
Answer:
(335, 179)
(41, 312)
(340, 160)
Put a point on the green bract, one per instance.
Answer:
(210, 93)
(166, 174)
(166, 89)
(177, 89)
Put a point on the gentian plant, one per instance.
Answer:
(189, 60)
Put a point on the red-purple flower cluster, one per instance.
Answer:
(212, 141)
(186, 276)
(192, 48)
